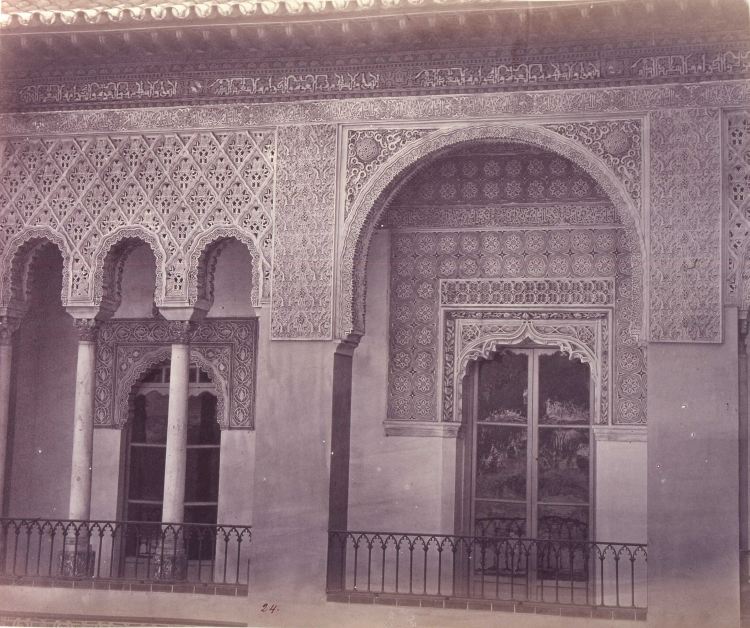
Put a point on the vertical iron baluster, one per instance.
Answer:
(369, 562)
(356, 552)
(424, 574)
(512, 571)
(39, 550)
(601, 578)
(26, 556)
(382, 567)
(398, 556)
(411, 565)
(497, 571)
(239, 553)
(617, 579)
(226, 554)
(15, 550)
(527, 551)
(571, 558)
(51, 552)
(557, 574)
(440, 568)
(632, 579)
(482, 566)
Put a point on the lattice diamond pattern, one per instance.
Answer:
(177, 186)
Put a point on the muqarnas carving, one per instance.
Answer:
(225, 348)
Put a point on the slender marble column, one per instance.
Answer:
(83, 422)
(7, 327)
(177, 421)
(77, 558)
(171, 561)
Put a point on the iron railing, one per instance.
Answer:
(573, 572)
(124, 550)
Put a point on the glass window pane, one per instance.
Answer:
(149, 418)
(203, 377)
(503, 383)
(200, 514)
(499, 519)
(563, 391)
(501, 462)
(563, 464)
(563, 522)
(203, 428)
(202, 475)
(146, 473)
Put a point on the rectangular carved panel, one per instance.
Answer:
(685, 275)
(305, 216)
(225, 348)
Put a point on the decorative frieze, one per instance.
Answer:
(506, 105)
(685, 226)
(527, 292)
(225, 348)
(433, 72)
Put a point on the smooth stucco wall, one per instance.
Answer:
(693, 483)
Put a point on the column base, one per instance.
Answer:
(77, 562)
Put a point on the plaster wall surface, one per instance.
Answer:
(138, 282)
(693, 484)
(106, 478)
(236, 467)
(233, 282)
(42, 417)
(620, 493)
(292, 460)
(395, 481)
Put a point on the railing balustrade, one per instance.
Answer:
(512, 568)
(125, 550)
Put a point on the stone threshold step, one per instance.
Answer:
(11, 618)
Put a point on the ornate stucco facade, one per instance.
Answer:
(336, 211)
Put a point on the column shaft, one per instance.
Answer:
(6, 353)
(83, 432)
(177, 422)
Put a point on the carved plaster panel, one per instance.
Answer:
(225, 348)
(431, 271)
(737, 202)
(470, 335)
(178, 192)
(685, 226)
(305, 218)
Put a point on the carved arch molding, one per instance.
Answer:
(470, 335)
(177, 192)
(225, 348)
(610, 151)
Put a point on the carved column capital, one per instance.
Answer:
(87, 329)
(179, 332)
(8, 326)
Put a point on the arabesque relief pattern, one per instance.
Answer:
(172, 190)
(685, 226)
(737, 210)
(225, 348)
(421, 260)
(305, 218)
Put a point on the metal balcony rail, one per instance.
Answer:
(509, 568)
(124, 550)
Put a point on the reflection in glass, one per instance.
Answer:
(150, 418)
(501, 462)
(564, 397)
(564, 522)
(503, 383)
(499, 519)
(563, 464)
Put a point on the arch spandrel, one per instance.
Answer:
(371, 203)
